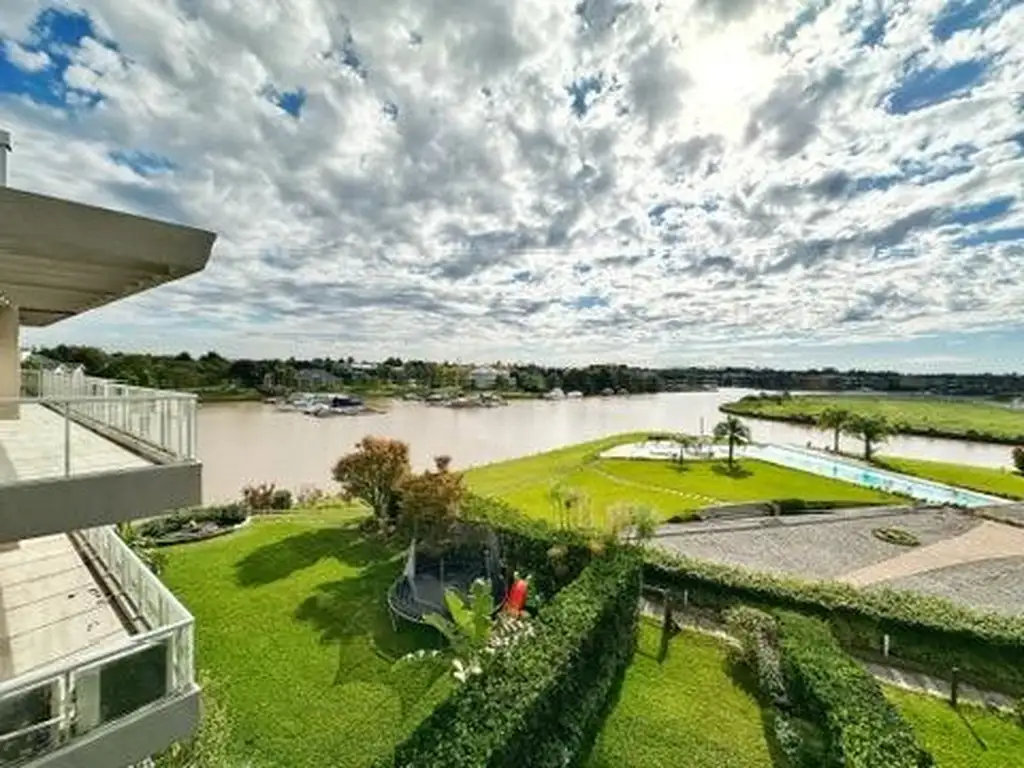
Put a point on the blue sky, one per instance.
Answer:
(708, 182)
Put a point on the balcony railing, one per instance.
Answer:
(159, 419)
(43, 711)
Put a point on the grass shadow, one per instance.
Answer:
(736, 471)
(681, 467)
(281, 559)
(745, 679)
(970, 728)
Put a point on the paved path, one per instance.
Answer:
(893, 675)
(987, 541)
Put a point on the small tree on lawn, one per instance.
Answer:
(429, 503)
(1018, 458)
(835, 419)
(733, 431)
(685, 443)
(871, 429)
(374, 473)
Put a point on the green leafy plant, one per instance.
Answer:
(469, 628)
(899, 536)
(151, 557)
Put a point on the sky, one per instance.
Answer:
(690, 182)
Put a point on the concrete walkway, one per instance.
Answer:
(987, 541)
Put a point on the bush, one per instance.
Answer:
(542, 702)
(1017, 454)
(826, 685)
(898, 536)
(281, 499)
(260, 497)
(930, 632)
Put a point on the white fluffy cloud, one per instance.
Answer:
(534, 180)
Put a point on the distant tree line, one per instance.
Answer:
(212, 371)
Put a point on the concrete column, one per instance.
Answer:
(10, 361)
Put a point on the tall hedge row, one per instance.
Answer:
(864, 730)
(540, 703)
(929, 632)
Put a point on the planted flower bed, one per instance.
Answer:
(193, 524)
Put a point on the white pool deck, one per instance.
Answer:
(793, 457)
(32, 447)
(52, 611)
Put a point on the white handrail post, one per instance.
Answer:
(67, 439)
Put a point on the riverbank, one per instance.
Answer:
(921, 417)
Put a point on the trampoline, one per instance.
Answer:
(420, 589)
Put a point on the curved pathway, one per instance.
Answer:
(987, 541)
(647, 486)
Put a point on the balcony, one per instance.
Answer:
(78, 451)
(96, 655)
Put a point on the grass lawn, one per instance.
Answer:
(970, 737)
(686, 711)
(669, 488)
(923, 416)
(292, 627)
(999, 482)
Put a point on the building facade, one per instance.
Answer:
(96, 654)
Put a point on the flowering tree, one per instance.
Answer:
(374, 473)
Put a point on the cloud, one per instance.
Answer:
(643, 180)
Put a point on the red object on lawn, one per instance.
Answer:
(516, 600)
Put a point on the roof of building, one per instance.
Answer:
(59, 258)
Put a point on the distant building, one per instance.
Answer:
(484, 378)
(309, 378)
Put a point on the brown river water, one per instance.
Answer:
(242, 443)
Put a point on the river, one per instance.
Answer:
(242, 443)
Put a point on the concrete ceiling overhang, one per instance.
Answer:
(59, 259)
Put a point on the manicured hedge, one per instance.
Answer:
(541, 703)
(864, 730)
(553, 557)
(933, 633)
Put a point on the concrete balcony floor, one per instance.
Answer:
(32, 447)
(52, 610)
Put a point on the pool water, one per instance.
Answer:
(869, 477)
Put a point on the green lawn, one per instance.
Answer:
(669, 488)
(1000, 482)
(924, 416)
(686, 711)
(292, 626)
(966, 738)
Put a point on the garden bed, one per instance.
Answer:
(191, 525)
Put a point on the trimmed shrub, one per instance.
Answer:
(898, 536)
(925, 631)
(542, 702)
(1017, 454)
(826, 685)
(281, 499)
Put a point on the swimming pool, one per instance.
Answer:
(879, 479)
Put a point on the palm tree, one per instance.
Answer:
(685, 443)
(870, 429)
(734, 431)
(835, 419)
